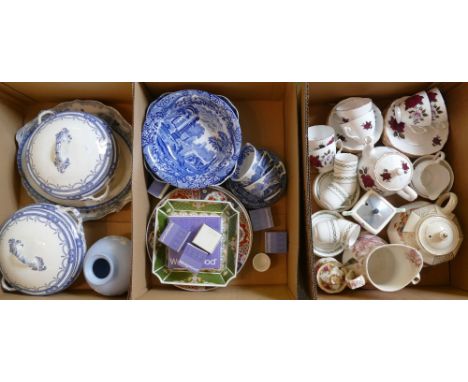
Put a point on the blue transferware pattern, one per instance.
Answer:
(65, 226)
(120, 189)
(267, 193)
(191, 139)
(95, 179)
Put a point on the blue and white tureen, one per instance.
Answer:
(191, 138)
(70, 156)
(42, 247)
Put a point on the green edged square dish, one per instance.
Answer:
(229, 242)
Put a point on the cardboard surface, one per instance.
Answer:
(318, 100)
(29, 100)
(268, 118)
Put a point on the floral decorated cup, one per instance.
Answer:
(320, 136)
(414, 110)
(438, 108)
(322, 159)
(361, 127)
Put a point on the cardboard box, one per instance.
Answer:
(21, 102)
(268, 118)
(444, 281)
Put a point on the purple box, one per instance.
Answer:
(262, 219)
(192, 258)
(174, 236)
(158, 188)
(193, 224)
(276, 242)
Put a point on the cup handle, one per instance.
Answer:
(354, 281)
(347, 131)
(416, 279)
(408, 193)
(397, 112)
(6, 286)
(439, 157)
(339, 146)
(451, 199)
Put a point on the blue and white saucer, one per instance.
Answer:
(191, 139)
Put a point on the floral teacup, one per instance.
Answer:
(414, 110)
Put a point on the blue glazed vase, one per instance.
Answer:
(108, 265)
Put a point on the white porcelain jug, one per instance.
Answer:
(386, 171)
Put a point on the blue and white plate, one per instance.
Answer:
(42, 247)
(119, 186)
(191, 139)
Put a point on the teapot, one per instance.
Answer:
(431, 228)
(386, 171)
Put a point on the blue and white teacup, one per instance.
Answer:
(252, 165)
(269, 184)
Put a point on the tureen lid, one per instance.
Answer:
(393, 171)
(438, 235)
(42, 247)
(71, 155)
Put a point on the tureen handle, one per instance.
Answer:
(233, 108)
(74, 214)
(15, 247)
(42, 114)
(100, 197)
(61, 163)
(7, 287)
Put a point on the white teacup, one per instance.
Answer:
(334, 197)
(352, 108)
(349, 232)
(431, 178)
(322, 159)
(320, 136)
(327, 232)
(414, 110)
(345, 171)
(360, 128)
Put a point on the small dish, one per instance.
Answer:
(191, 139)
(42, 247)
(229, 244)
(414, 141)
(349, 144)
(119, 186)
(322, 182)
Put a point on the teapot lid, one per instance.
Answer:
(71, 155)
(42, 247)
(438, 235)
(393, 171)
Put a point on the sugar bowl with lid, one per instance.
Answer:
(42, 247)
(386, 171)
(69, 155)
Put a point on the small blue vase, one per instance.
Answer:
(108, 265)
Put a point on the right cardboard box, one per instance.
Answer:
(445, 281)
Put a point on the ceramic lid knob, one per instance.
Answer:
(438, 235)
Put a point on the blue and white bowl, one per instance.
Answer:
(191, 139)
(264, 191)
(70, 155)
(42, 247)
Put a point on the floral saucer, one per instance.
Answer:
(413, 141)
(120, 184)
(214, 193)
(191, 139)
(349, 144)
(322, 182)
(323, 250)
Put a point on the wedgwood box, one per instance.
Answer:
(448, 280)
(21, 102)
(268, 119)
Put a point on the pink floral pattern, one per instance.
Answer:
(367, 125)
(414, 257)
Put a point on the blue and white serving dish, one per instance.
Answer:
(42, 247)
(267, 188)
(191, 139)
(118, 193)
(71, 155)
